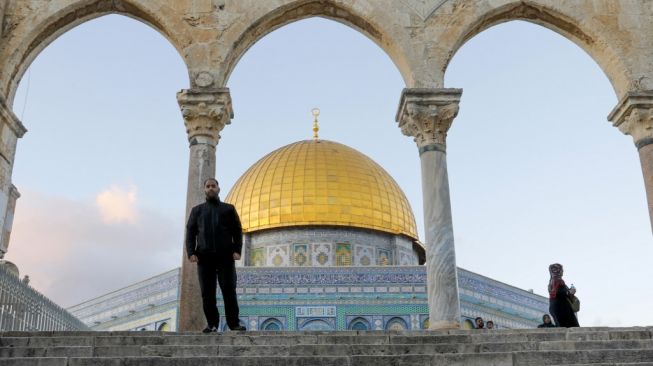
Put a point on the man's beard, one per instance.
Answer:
(211, 197)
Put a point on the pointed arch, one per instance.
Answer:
(299, 10)
(38, 37)
(586, 37)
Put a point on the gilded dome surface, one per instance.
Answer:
(323, 183)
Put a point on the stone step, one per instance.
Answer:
(482, 332)
(314, 349)
(613, 364)
(582, 357)
(261, 338)
(601, 357)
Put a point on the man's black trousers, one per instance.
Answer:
(209, 268)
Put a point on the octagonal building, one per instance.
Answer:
(329, 243)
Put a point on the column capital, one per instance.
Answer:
(205, 113)
(427, 114)
(634, 116)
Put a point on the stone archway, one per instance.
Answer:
(579, 31)
(31, 37)
(372, 27)
(419, 36)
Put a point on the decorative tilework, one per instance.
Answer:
(316, 323)
(277, 256)
(384, 257)
(358, 322)
(258, 257)
(301, 255)
(343, 254)
(267, 323)
(322, 255)
(407, 258)
(424, 320)
(364, 255)
(396, 322)
(354, 292)
(364, 244)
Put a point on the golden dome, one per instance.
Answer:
(319, 182)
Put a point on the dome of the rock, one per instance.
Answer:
(320, 183)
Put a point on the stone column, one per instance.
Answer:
(11, 129)
(205, 113)
(426, 115)
(634, 116)
(9, 219)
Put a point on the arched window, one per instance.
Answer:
(272, 324)
(396, 323)
(359, 324)
(164, 327)
(317, 324)
(468, 324)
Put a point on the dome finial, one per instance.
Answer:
(316, 112)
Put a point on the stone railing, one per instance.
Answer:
(22, 308)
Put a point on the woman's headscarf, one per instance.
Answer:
(555, 270)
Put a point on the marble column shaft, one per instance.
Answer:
(426, 115)
(634, 116)
(205, 113)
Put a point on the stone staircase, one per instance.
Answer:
(580, 346)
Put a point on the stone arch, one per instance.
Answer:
(585, 36)
(38, 36)
(300, 10)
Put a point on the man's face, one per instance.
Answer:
(211, 188)
(479, 323)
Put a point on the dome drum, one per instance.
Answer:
(325, 246)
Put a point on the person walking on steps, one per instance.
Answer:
(560, 299)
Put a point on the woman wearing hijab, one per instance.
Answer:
(546, 322)
(559, 296)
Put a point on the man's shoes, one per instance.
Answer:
(238, 327)
(210, 329)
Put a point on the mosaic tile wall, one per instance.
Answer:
(326, 247)
(338, 298)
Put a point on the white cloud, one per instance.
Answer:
(71, 254)
(117, 205)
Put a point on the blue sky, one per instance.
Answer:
(537, 174)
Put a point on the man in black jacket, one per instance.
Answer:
(214, 241)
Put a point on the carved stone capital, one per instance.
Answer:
(634, 116)
(427, 114)
(205, 113)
